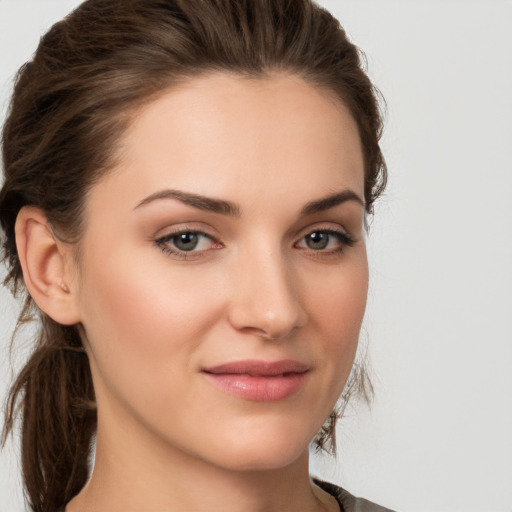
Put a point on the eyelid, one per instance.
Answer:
(185, 227)
(325, 227)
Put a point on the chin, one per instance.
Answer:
(262, 452)
(262, 459)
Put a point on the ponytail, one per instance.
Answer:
(54, 397)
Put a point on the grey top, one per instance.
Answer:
(348, 502)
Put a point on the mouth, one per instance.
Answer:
(260, 381)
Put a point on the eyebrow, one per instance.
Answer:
(326, 203)
(223, 207)
(197, 201)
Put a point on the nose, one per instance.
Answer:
(265, 297)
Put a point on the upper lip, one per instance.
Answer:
(258, 368)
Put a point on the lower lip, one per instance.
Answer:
(260, 388)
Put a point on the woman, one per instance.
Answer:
(185, 197)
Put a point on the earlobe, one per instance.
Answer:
(43, 261)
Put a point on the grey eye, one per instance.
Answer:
(317, 240)
(186, 241)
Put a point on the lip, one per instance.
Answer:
(261, 381)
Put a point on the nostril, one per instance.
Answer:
(259, 331)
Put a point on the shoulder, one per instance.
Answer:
(348, 502)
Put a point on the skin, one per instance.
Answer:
(169, 440)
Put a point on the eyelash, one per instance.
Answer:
(344, 239)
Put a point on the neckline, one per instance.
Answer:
(331, 489)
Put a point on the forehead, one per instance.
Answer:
(230, 136)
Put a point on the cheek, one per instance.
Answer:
(337, 314)
(141, 316)
(340, 302)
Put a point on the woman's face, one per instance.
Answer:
(223, 272)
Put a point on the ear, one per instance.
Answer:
(46, 264)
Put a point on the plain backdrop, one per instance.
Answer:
(438, 436)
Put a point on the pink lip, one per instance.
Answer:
(261, 381)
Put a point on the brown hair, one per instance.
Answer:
(70, 105)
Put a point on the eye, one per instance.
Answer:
(184, 244)
(189, 241)
(326, 240)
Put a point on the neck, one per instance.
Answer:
(147, 475)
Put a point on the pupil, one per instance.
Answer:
(186, 241)
(317, 240)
